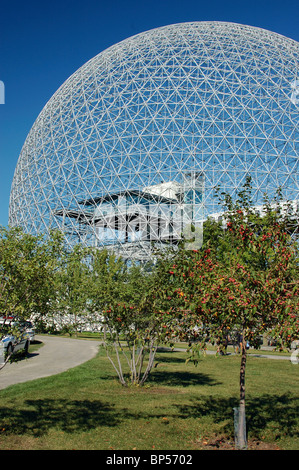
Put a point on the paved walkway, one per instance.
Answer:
(263, 356)
(55, 356)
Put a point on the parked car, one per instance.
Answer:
(14, 336)
(21, 325)
(28, 328)
(11, 343)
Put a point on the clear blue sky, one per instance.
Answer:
(43, 43)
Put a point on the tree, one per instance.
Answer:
(71, 285)
(104, 284)
(139, 320)
(244, 279)
(27, 264)
(126, 300)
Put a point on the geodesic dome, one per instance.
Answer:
(130, 148)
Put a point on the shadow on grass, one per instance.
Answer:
(38, 416)
(180, 379)
(278, 412)
(168, 378)
(281, 411)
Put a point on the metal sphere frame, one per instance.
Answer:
(131, 147)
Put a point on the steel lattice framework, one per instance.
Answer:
(144, 131)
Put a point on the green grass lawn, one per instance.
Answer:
(181, 407)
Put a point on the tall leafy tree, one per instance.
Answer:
(27, 285)
(71, 281)
(27, 264)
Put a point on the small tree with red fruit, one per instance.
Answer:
(244, 279)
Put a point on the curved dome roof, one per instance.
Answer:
(216, 99)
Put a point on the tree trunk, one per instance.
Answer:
(152, 353)
(241, 441)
